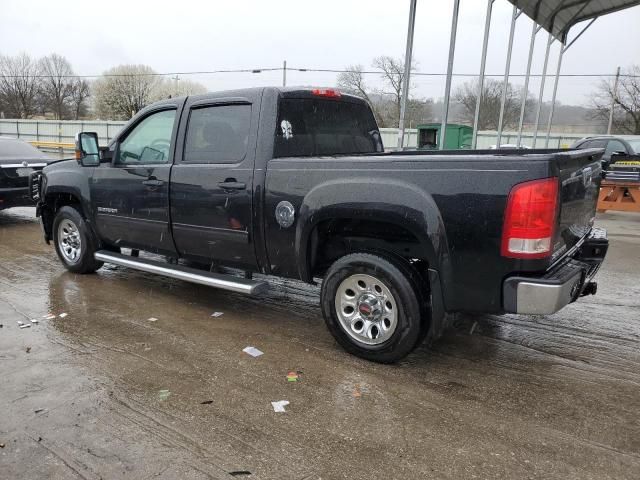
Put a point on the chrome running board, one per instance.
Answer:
(217, 280)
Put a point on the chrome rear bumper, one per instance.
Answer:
(548, 293)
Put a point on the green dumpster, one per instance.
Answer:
(457, 136)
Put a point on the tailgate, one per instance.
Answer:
(580, 173)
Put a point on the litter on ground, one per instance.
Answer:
(20, 323)
(62, 315)
(253, 351)
(153, 319)
(357, 393)
(473, 327)
(163, 394)
(28, 325)
(35, 320)
(292, 376)
(49, 316)
(279, 405)
(206, 402)
(217, 314)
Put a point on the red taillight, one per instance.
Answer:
(326, 92)
(530, 219)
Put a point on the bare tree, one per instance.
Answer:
(168, 88)
(352, 81)
(19, 85)
(80, 91)
(467, 96)
(124, 90)
(56, 86)
(393, 78)
(626, 118)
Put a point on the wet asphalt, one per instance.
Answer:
(104, 392)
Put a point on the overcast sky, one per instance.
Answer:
(188, 35)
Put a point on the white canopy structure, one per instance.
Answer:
(556, 17)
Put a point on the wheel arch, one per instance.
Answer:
(387, 216)
(54, 200)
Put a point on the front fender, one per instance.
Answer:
(65, 182)
(390, 201)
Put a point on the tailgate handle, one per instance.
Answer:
(232, 184)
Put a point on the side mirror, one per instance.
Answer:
(87, 149)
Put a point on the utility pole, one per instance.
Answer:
(613, 101)
(284, 73)
(175, 85)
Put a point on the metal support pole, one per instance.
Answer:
(525, 89)
(284, 73)
(407, 73)
(553, 97)
(483, 63)
(447, 88)
(613, 101)
(541, 94)
(563, 49)
(505, 81)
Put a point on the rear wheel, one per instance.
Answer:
(74, 241)
(372, 307)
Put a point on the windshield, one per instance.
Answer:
(314, 127)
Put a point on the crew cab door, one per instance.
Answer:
(130, 195)
(212, 182)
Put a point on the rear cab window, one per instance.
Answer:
(218, 134)
(325, 127)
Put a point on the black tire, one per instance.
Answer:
(84, 262)
(404, 288)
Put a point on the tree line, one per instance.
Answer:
(49, 87)
(386, 101)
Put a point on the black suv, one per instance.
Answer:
(627, 144)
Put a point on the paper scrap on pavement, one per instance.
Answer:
(292, 376)
(25, 326)
(253, 351)
(20, 322)
(279, 405)
(217, 314)
(49, 316)
(35, 320)
(62, 315)
(153, 319)
(163, 394)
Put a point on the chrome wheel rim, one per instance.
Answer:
(366, 309)
(69, 241)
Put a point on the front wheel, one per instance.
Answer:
(74, 241)
(372, 307)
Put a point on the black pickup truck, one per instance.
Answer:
(295, 183)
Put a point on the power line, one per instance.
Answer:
(312, 70)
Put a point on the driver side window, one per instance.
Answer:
(149, 142)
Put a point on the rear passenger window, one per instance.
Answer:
(217, 134)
